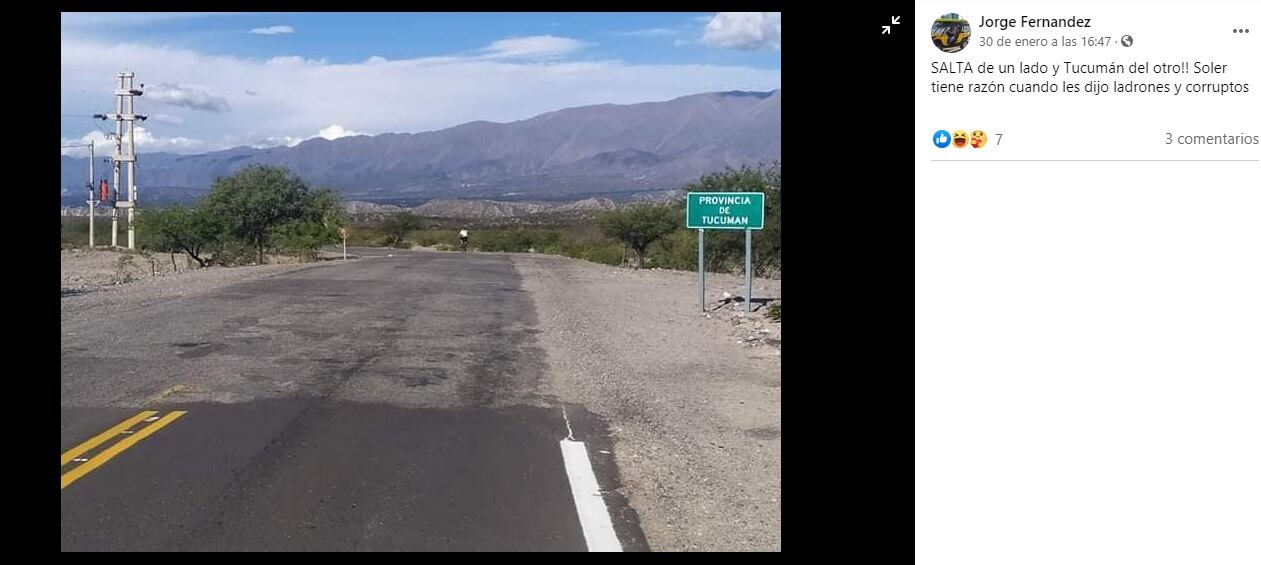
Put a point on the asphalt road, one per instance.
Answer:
(381, 404)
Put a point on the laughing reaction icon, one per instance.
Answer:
(960, 138)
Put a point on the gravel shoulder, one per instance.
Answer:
(693, 405)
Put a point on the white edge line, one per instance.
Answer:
(597, 528)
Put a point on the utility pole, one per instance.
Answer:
(91, 202)
(124, 111)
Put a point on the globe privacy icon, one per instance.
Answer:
(941, 138)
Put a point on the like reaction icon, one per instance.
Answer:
(942, 138)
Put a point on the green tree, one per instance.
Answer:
(179, 229)
(259, 201)
(316, 225)
(675, 251)
(640, 225)
(397, 226)
(728, 246)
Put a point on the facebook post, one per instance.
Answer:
(1087, 282)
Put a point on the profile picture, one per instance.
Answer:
(951, 33)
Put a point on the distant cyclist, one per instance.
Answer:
(464, 241)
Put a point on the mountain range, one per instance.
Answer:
(606, 151)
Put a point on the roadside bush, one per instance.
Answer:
(675, 251)
(395, 227)
(234, 254)
(640, 225)
(607, 254)
(122, 268)
(513, 240)
(365, 235)
(74, 231)
(299, 239)
(179, 230)
(426, 238)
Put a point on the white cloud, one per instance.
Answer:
(145, 142)
(335, 131)
(167, 119)
(272, 30)
(743, 30)
(331, 132)
(295, 60)
(103, 145)
(533, 46)
(176, 95)
(304, 96)
(274, 141)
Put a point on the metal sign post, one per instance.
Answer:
(343, 232)
(700, 263)
(748, 271)
(727, 211)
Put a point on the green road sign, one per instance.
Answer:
(725, 210)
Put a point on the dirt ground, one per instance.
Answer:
(693, 403)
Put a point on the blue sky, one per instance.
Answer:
(219, 80)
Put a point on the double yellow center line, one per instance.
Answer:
(124, 428)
